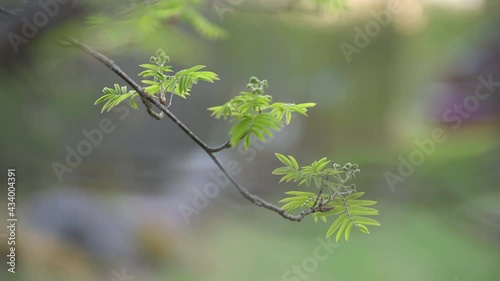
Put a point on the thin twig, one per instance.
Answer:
(221, 147)
(148, 100)
(317, 198)
(149, 109)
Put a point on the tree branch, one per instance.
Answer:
(149, 100)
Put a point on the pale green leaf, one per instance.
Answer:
(348, 231)
(335, 225)
(341, 229)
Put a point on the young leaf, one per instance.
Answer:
(239, 130)
(341, 229)
(101, 99)
(363, 228)
(300, 193)
(354, 196)
(365, 220)
(348, 231)
(284, 160)
(362, 202)
(133, 104)
(317, 181)
(336, 224)
(358, 210)
(295, 164)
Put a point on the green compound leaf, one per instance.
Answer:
(253, 125)
(265, 116)
(114, 96)
(240, 130)
(297, 200)
(178, 84)
(335, 198)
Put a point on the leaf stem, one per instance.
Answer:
(347, 211)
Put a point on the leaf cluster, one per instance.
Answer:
(114, 96)
(144, 18)
(318, 172)
(335, 196)
(255, 114)
(159, 82)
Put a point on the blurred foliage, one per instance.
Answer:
(140, 20)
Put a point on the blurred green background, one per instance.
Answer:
(118, 211)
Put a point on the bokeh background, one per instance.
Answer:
(118, 211)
